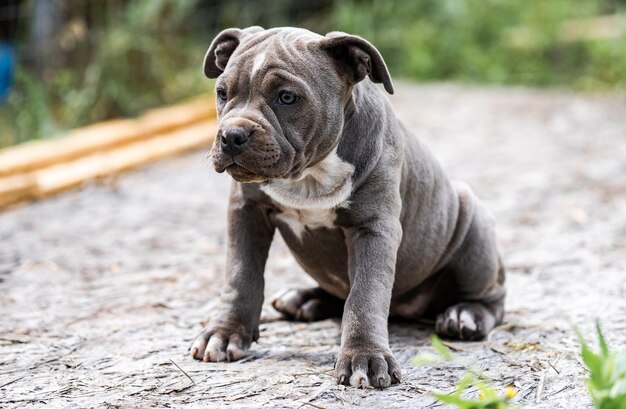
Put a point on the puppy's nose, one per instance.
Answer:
(234, 140)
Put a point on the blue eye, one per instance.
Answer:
(287, 98)
(221, 94)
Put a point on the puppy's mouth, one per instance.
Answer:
(243, 175)
(241, 167)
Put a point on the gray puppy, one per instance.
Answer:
(364, 207)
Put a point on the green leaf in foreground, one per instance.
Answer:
(487, 398)
(443, 353)
(607, 373)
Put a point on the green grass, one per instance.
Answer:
(487, 397)
(606, 381)
(474, 41)
(607, 373)
(137, 59)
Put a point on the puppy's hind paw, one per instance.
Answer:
(309, 305)
(465, 321)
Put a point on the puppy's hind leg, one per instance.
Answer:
(479, 277)
(470, 320)
(311, 304)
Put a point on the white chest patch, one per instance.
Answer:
(311, 200)
(300, 220)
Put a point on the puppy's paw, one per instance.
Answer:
(364, 367)
(311, 304)
(220, 345)
(465, 321)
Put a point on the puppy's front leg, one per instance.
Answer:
(235, 323)
(365, 357)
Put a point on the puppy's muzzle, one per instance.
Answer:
(234, 140)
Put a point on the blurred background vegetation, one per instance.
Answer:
(80, 61)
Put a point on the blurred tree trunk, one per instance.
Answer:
(46, 23)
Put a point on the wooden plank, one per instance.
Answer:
(102, 136)
(53, 179)
(16, 188)
(63, 176)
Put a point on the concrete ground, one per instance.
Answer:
(102, 289)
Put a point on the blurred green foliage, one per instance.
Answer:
(137, 57)
(488, 396)
(141, 53)
(607, 373)
(478, 40)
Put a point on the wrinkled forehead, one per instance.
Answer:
(290, 51)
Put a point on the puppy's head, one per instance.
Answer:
(282, 95)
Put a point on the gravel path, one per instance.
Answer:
(102, 289)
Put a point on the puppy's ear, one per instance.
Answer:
(358, 58)
(222, 48)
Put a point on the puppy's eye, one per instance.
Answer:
(221, 95)
(287, 98)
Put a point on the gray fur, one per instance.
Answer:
(363, 206)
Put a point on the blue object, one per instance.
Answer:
(7, 67)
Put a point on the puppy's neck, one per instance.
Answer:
(326, 185)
